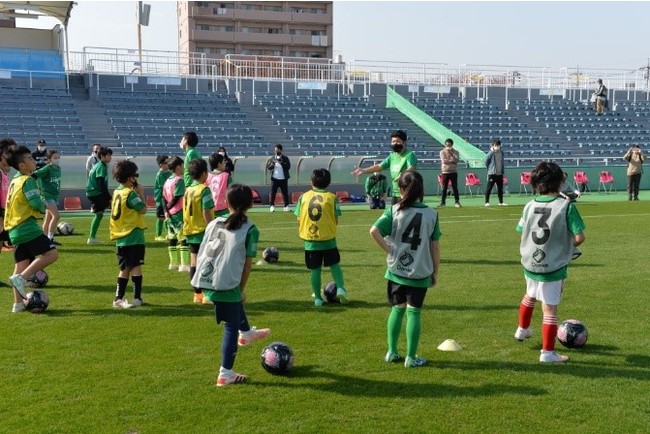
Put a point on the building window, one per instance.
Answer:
(203, 4)
(273, 8)
(275, 31)
(317, 11)
(250, 7)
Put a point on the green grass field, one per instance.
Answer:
(86, 367)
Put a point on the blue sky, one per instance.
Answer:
(607, 35)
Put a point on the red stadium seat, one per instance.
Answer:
(471, 180)
(151, 202)
(71, 203)
(606, 178)
(525, 182)
(581, 180)
(295, 196)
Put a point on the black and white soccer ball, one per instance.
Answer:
(271, 255)
(37, 301)
(38, 279)
(329, 293)
(572, 333)
(277, 358)
(65, 228)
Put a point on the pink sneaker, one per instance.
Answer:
(247, 338)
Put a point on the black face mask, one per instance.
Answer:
(397, 148)
(278, 153)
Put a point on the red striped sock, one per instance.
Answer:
(526, 309)
(549, 332)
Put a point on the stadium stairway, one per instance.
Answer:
(95, 123)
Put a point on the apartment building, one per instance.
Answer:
(258, 28)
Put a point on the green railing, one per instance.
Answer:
(469, 153)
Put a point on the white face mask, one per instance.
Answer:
(222, 153)
(40, 148)
(56, 161)
(180, 145)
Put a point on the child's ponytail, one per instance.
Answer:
(240, 199)
(412, 185)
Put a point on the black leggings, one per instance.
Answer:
(446, 177)
(283, 185)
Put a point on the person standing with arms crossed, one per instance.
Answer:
(398, 161)
(449, 164)
(279, 166)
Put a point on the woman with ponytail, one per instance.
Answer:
(408, 232)
(222, 269)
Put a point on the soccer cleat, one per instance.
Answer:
(92, 241)
(487, 204)
(522, 334)
(552, 357)
(122, 303)
(205, 300)
(173, 267)
(318, 302)
(391, 357)
(342, 295)
(286, 208)
(252, 335)
(271, 208)
(137, 302)
(18, 282)
(184, 268)
(231, 377)
(457, 205)
(415, 362)
(198, 298)
(503, 204)
(17, 307)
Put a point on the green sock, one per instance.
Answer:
(94, 225)
(185, 254)
(159, 227)
(394, 327)
(316, 282)
(173, 254)
(413, 327)
(337, 275)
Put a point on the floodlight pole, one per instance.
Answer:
(140, 34)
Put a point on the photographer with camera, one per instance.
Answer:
(635, 159)
(279, 166)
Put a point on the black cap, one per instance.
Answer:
(41, 142)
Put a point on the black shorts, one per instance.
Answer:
(160, 212)
(130, 256)
(194, 248)
(400, 294)
(31, 249)
(228, 312)
(316, 258)
(99, 204)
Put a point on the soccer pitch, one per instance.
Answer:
(86, 367)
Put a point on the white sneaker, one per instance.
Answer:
(173, 267)
(286, 208)
(503, 204)
(137, 302)
(487, 204)
(122, 304)
(522, 334)
(19, 282)
(184, 268)
(457, 205)
(93, 241)
(17, 307)
(252, 335)
(271, 208)
(552, 357)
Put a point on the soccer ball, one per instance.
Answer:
(271, 255)
(37, 301)
(572, 333)
(38, 279)
(65, 228)
(277, 358)
(329, 293)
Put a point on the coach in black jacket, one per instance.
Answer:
(279, 166)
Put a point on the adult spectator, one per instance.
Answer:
(635, 159)
(398, 161)
(93, 159)
(495, 163)
(449, 170)
(601, 97)
(376, 188)
(40, 154)
(230, 166)
(279, 166)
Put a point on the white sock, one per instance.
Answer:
(50, 235)
(225, 372)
